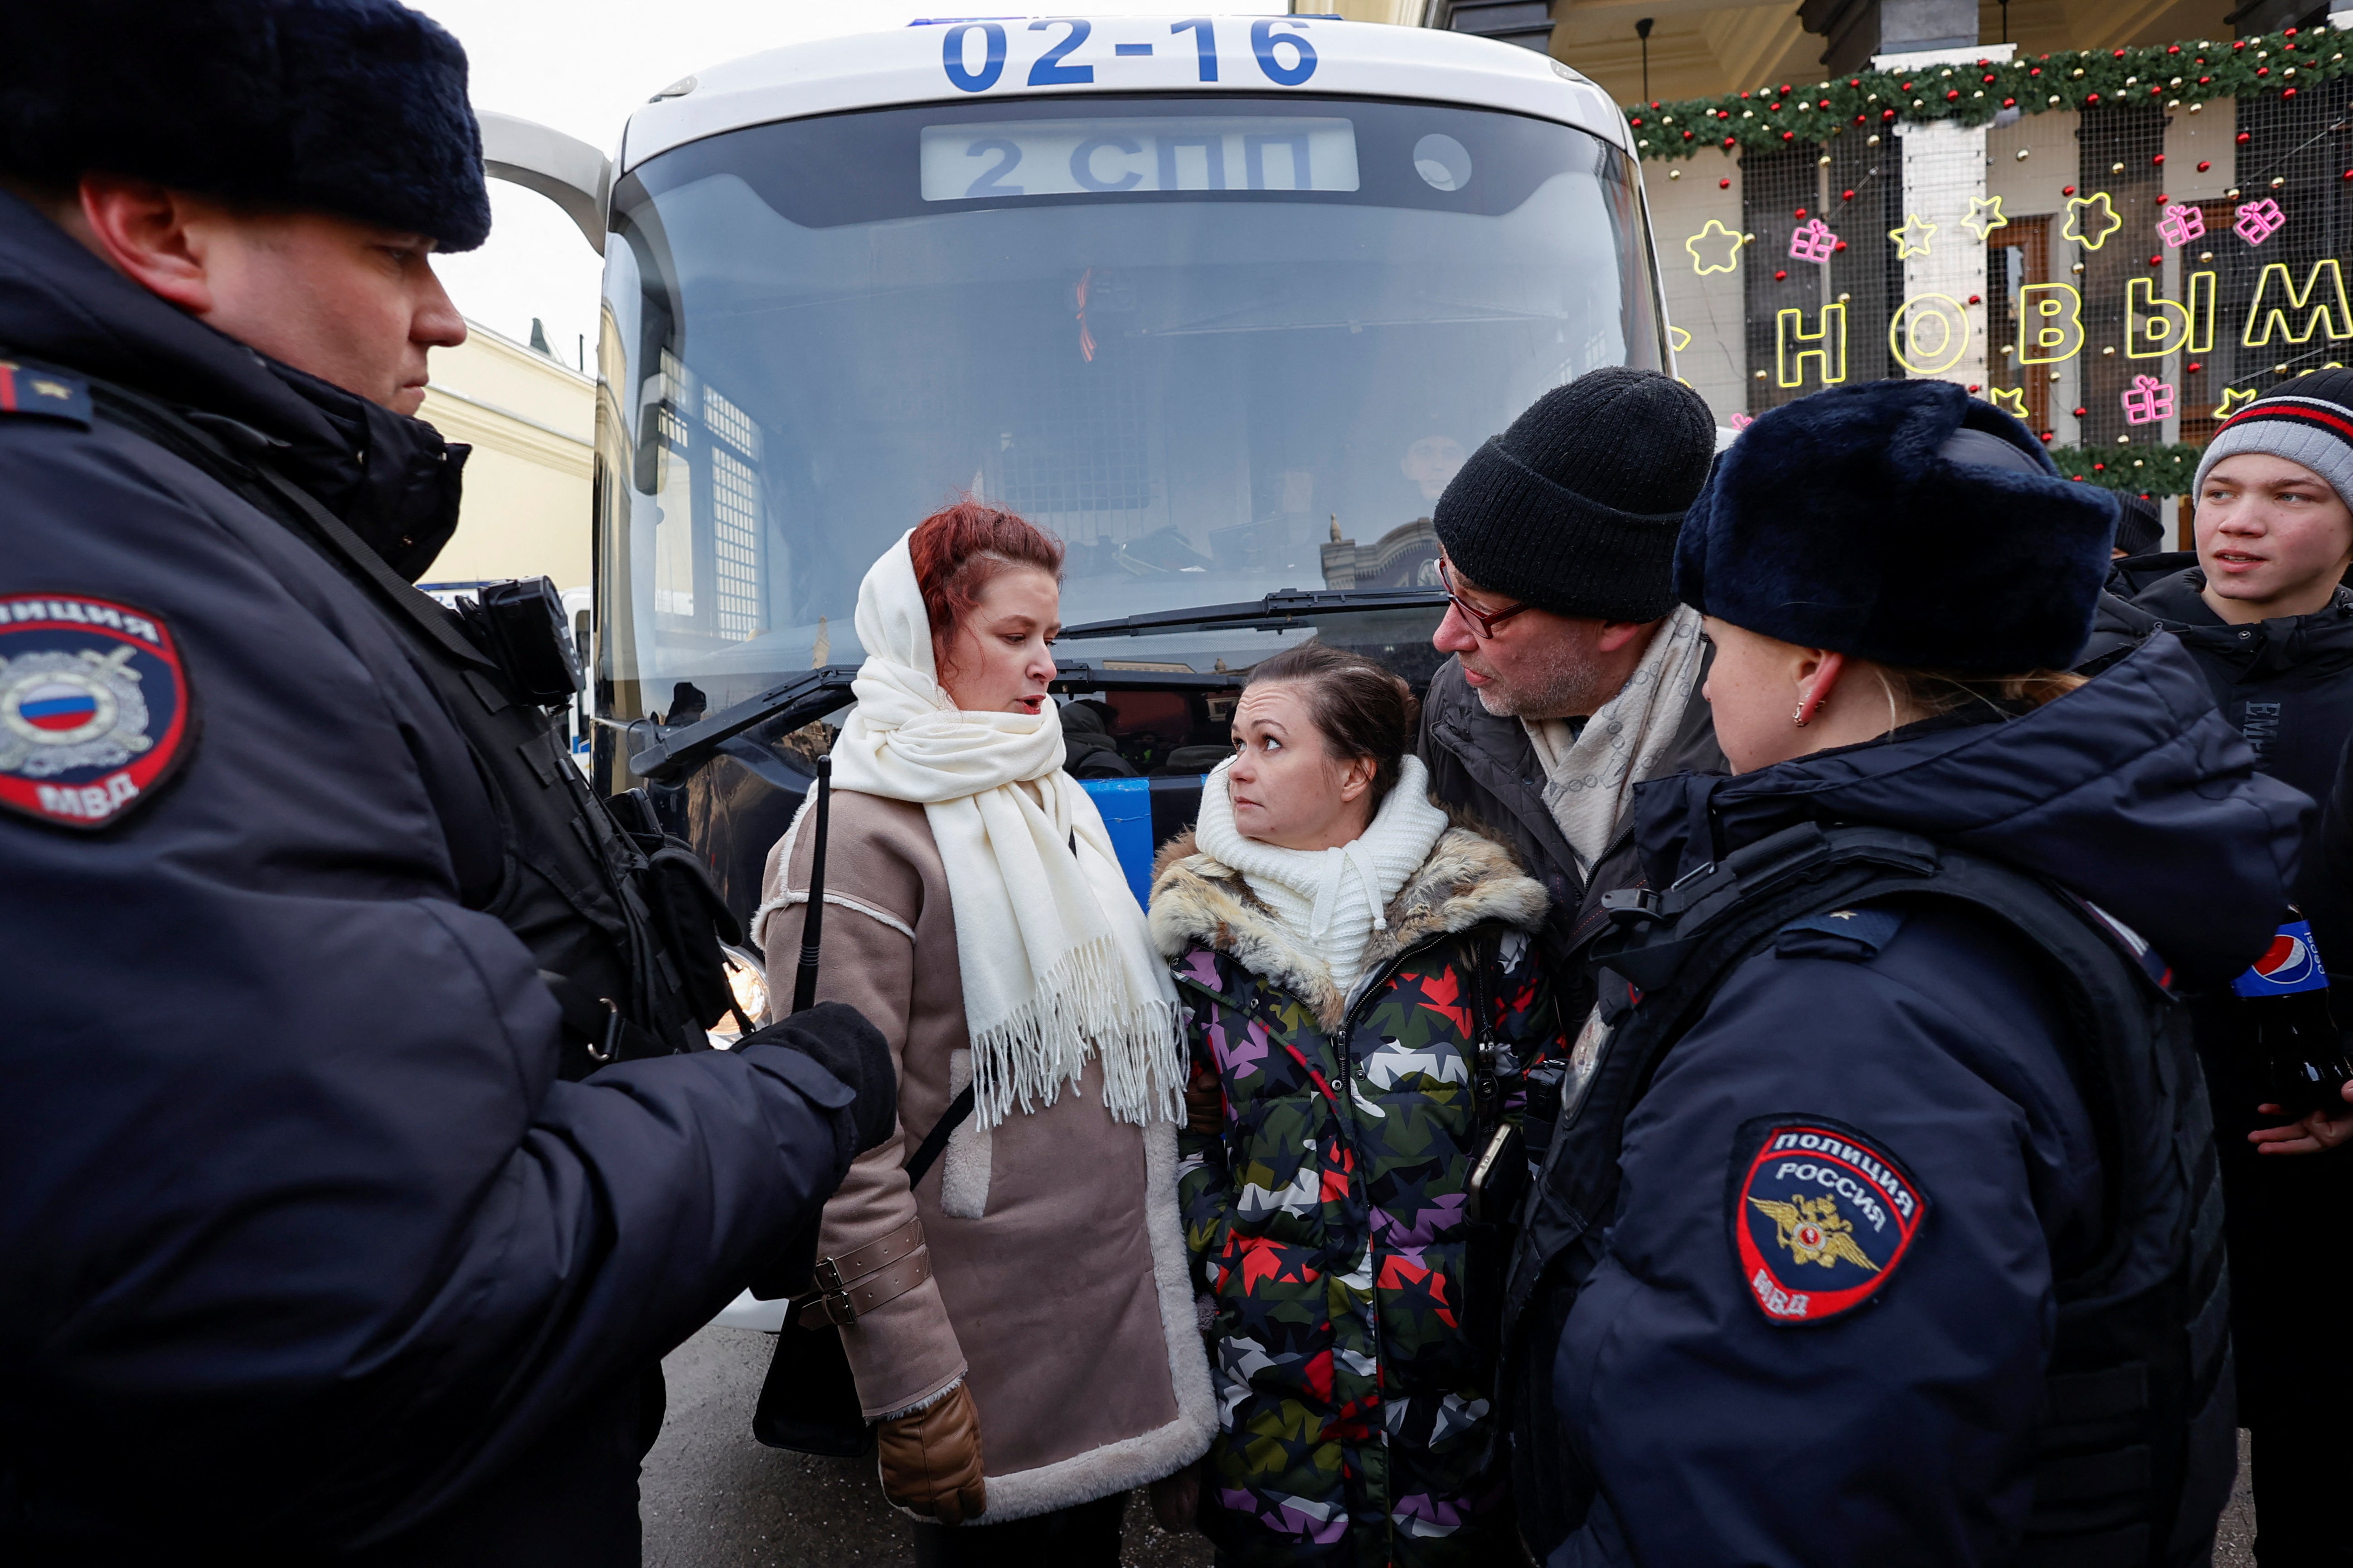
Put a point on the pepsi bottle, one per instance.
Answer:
(2294, 1035)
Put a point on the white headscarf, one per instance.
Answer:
(1056, 961)
(1330, 899)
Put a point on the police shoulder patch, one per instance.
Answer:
(36, 392)
(95, 709)
(1822, 1215)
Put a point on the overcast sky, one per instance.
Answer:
(581, 66)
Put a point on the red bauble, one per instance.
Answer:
(2080, 412)
(2203, 167)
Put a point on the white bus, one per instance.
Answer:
(1222, 302)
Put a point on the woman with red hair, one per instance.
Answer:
(1019, 1319)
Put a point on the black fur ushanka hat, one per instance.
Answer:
(355, 107)
(1904, 522)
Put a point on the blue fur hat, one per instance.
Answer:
(355, 107)
(1904, 522)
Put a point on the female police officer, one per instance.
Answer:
(1912, 1237)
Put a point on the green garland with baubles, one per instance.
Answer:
(2150, 471)
(2156, 76)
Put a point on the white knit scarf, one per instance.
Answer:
(1056, 961)
(1590, 777)
(1330, 901)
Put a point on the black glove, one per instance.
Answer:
(837, 1038)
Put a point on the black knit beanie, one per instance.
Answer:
(1575, 507)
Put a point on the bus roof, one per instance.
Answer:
(956, 59)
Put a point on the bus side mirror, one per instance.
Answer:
(565, 170)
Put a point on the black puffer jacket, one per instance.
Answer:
(1487, 767)
(310, 1252)
(2285, 685)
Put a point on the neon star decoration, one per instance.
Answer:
(1985, 216)
(2233, 399)
(1678, 339)
(1913, 238)
(2090, 219)
(2009, 399)
(1712, 242)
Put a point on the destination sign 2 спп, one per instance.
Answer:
(1191, 152)
(975, 54)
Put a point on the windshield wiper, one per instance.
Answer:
(812, 694)
(1274, 613)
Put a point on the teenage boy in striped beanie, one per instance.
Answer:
(2265, 614)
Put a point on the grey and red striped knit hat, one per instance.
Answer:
(2308, 420)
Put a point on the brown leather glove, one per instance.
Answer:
(930, 1460)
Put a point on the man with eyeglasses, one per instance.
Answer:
(1576, 674)
(1576, 677)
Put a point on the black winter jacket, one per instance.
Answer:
(1487, 767)
(308, 1251)
(1904, 1429)
(2285, 685)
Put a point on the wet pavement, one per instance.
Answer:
(712, 1497)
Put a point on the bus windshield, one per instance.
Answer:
(1220, 346)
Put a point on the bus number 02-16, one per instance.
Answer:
(1050, 71)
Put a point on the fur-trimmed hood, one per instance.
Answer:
(1467, 879)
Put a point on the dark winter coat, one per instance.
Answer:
(307, 1249)
(1485, 767)
(2287, 686)
(1352, 1349)
(1901, 1430)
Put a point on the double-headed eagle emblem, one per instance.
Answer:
(1814, 1232)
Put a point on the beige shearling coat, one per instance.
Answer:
(1058, 1284)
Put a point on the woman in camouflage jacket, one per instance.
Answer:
(1346, 1078)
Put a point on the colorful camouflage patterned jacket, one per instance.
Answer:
(1327, 1224)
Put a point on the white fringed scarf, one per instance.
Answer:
(1056, 961)
(1331, 900)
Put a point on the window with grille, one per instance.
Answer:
(736, 544)
(2018, 255)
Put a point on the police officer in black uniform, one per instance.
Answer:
(360, 1154)
(1883, 1224)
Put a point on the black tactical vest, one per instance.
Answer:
(2137, 1449)
(624, 922)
